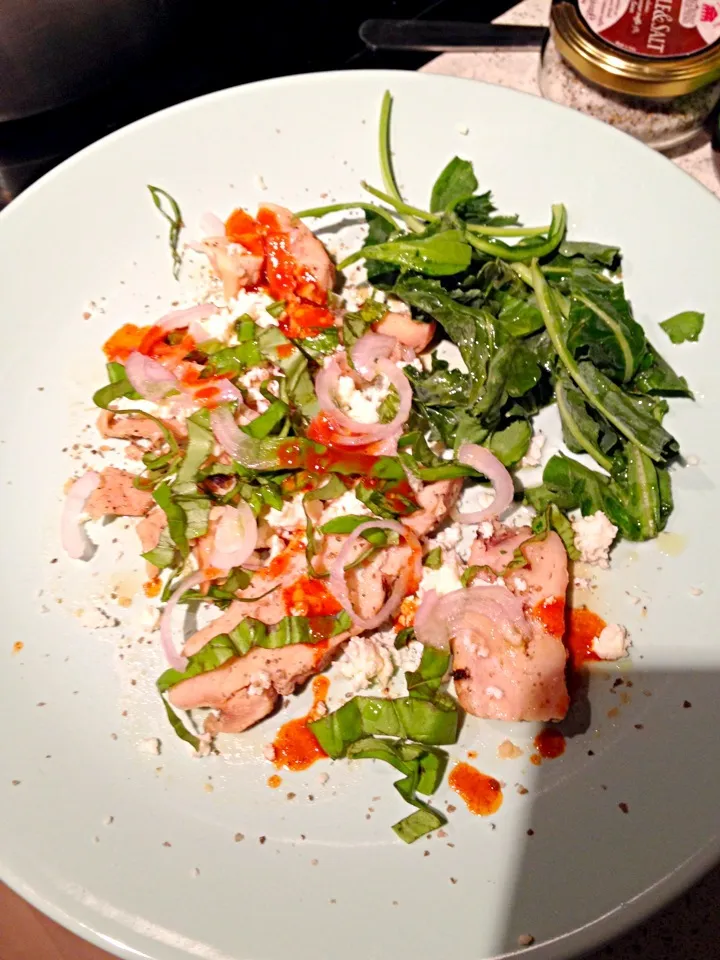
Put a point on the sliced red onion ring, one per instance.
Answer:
(338, 584)
(234, 537)
(227, 391)
(367, 351)
(211, 225)
(457, 614)
(176, 660)
(227, 433)
(75, 540)
(149, 378)
(183, 318)
(487, 463)
(359, 434)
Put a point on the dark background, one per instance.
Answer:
(212, 47)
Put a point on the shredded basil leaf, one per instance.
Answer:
(174, 218)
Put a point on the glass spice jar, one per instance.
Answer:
(648, 67)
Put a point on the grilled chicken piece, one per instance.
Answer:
(436, 500)
(116, 496)
(505, 676)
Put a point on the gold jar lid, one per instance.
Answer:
(610, 66)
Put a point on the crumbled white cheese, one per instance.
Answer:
(486, 529)
(443, 580)
(362, 404)
(150, 745)
(594, 536)
(365, 660)
(613, 642)
(346, 505)
(269, 752)
(251, 382)
(692, 460)
(533, 458)
(259, 682)
(458, 537)
(260, 182)
(582, 583)
(520, 585)
(495, 693)
(408, 657)
(446, 350)
(463, 129)
(474, 497)
(290, 517)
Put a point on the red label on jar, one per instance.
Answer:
(655, 28)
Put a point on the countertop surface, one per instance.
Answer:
(689, 929)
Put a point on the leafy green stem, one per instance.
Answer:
(353, 205)
(490, 231)
(536, 248)
(405, 209)
(386, 167)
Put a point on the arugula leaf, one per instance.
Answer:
(456, 182)
(656, 376)
(440, 386)
(174, 218)
(684, 326)
(604, 254)
(472, 331)
(477, 209)
(510, 443)
(437, 255)
(604, 395)
(582, 432)
(601, 327)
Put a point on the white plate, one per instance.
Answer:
(89, 230)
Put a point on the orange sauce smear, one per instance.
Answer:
(550, 744)
(583, 628)
(274, 781)
(296, 747)
(152, 587)
(309, 598)
(17, 646)
(482, 794)
(551, 613)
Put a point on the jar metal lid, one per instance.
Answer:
(609, 66)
